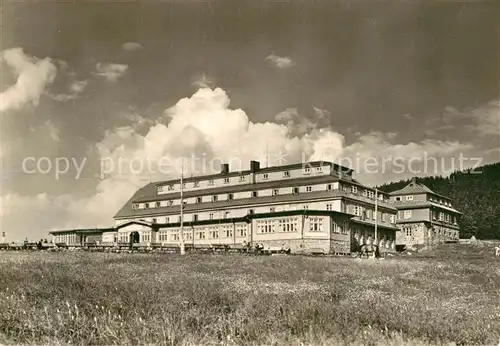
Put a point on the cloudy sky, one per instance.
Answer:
(110, 91)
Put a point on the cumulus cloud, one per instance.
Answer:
(206, 131)
(482, 121)
(33, 76)
(203, 81)
(75, 88)
(280, 61)
(132, 46)
(112, 72)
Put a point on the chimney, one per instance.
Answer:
(254, 166)
(224, 168)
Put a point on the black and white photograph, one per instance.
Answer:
(250, 172)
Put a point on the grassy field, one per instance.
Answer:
(447, 297)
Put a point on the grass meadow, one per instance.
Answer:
(445, 297)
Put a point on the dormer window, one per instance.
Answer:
(276, 192)
(295, 190)
(286, 174)
(135, 206)
(354, 189)
(254, 194)
(230, 196)
(242, 178)
(329, 187)
(226, 180)
(198, 199)
(146, 205)
(307, 170)
(196, 184)
(409, 198)
(159, 188)
(211, 182)
(170, 187)
(398, 199)
(365, 193)
(265, 176)
(214, 198)
(319, 169)
(308, 188)
(158, 204)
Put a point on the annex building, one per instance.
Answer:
(310, 207)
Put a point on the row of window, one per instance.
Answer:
(280, 225)
(366, 213)
(65, 238)
(230, 196)
(241, 179)
(214, 232)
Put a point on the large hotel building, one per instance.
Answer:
(311, 207)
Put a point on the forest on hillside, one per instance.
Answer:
(475, 193)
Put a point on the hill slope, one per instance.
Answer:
(475, 194)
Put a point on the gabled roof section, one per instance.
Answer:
(413, 188)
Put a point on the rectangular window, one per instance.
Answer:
(195, 217)
(254, 194)
(286, 174)
(157, 204)
(170, 203)
(354, 189)
(409, 198)
(226, 215)
(146, 205)
(276, 192)
(329, 187)
(272, 210)
(383, 217)
(306, 207)
(153, 220)
(295, 190)
(170, 187)
(226, 181)
(319, 169)
(250, 211)
(230, 196)
(242, 178)
(211, 182)
(308, 188)
(199, 199)
(214, 198)
(407, 214)
(167, 220)
(329, 206)
(393, 218)
(365, 193)
(265, 176)
(135, 206)
(159, 188)
(357, 210)
(316, 225)
(398, 199)
(196, 184)
(307, 170)
(211, 216)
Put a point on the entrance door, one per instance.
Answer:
(134, 237)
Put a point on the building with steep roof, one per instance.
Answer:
(424, 217)
(315, 206)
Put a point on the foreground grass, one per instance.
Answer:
(81, 298)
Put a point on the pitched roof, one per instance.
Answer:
(413, 188)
